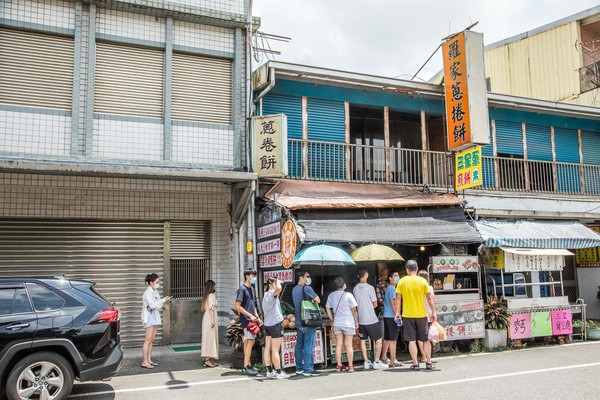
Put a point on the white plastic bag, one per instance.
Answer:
(434, 333)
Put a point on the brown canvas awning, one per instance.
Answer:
(304, 195)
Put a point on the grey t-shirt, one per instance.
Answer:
(365, 296)
(272, 309)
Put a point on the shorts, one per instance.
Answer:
(275, 331)
(372, 331)
(152, 320)
(248, 335)
(415, 329)
(338, 330)
(390, 329)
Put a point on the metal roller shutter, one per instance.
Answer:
(190, 258)
(41, 76)
(116, 255)
(190, 239)
(509, 138)
(201, 89)
(129, 80)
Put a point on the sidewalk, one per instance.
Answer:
(169, 359)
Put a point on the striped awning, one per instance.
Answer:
(537, 234)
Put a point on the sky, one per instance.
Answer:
(394, 38)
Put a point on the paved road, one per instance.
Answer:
(553, 372)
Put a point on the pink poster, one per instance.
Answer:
(561, 322)
(520, 326)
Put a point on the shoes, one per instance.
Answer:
(368, 365)
(396, 364)
(380, 365)
(270, 374)
(415, 367)
(298, 372)
(153, 363)
(350, 368)
(149, 366)
(429, 366)
(207, 365)
(282, 375)
(340, 368)
(249, 371)
(312, 373)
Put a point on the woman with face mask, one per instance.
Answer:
(273, 329)
(341, 308)
(210, 335)
(151, 306)
(390, 326)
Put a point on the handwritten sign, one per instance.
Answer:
(520, 326)
(532, 262)
(288, 349)
(266, 231)
(357, 354)
(541, 324)
(562, 322)
(270, 145)
(286, 275)
(270, 260)
(268, 246)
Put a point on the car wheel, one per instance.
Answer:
(42, 375)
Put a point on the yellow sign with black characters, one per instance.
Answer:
(467, 168)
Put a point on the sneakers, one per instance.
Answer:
(299, 372)
(271, 374)
(367, 365)
(312, 373)
(340, 368)
(282, 375)
(350, 368)
(380, 365)
(249, 371)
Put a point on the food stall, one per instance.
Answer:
(459, 306)
(534, 295)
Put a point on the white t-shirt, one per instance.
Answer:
(365, 296)
(342, 318)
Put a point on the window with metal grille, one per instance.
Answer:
(188, 277)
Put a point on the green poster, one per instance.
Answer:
(541, 324)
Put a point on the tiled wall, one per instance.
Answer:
(130, 25)
(54, 13)
(34, 133)
(127, 140)
(211, 145)
(59, 197)
(203, 36)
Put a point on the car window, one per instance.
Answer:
(6, 299)
(44, 299)
(21, 302)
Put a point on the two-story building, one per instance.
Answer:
(367, 162)
(122, 137)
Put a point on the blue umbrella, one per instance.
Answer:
(322, 255)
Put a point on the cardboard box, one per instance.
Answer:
(449, 282)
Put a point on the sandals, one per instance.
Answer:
(153, 363)
(149, 366)
(415, 367)
(429, 366)
(209, 365)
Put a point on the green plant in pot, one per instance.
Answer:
(497, 321)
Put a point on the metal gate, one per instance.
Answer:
(116, 255)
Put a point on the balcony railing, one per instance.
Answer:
(331, 161)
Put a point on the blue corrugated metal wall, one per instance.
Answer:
(539, 142)
(590, 144)
(567, 150)
(326, 124)
(509, 138)
(488, 163)
(291, 106)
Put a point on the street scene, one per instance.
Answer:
(318, 200)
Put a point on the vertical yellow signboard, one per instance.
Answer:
(468, 172)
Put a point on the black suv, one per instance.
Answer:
(53, 331)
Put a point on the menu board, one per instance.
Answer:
(541, 324)
(461, 319)
(288, 349)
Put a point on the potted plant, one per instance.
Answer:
(496, 324)
(235, 337)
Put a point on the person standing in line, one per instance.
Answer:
(411, 293)
(305, 335)
(244, 304)
(151, 306)
(273, 329)
(425, 275)
(367, 320)
(345, 322)
(210, 333)
(390, 327)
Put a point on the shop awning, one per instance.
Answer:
(426, 225)
(304, 195)
(538, 252)
(537, 234)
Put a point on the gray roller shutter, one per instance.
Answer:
(201, 89)
(129, 80)
(36, 69)
(116, 255)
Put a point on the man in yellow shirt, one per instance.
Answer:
(411, 292)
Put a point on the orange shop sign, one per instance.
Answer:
(288, 243)
(465, 92)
